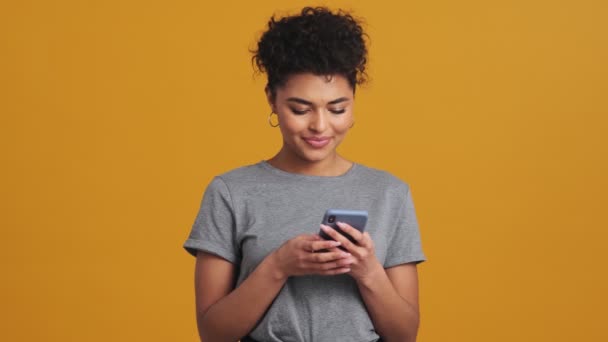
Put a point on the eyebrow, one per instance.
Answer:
(302, 101)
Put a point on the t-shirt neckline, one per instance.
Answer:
(284, 173)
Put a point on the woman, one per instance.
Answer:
(262, 271)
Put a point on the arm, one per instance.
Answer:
(391, 295)
(224, 314)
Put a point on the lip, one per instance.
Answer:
(317, 142)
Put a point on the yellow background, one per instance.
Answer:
(116, 114)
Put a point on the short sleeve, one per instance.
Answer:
(405, 245)
(213, 230)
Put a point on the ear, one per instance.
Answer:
(269, 98)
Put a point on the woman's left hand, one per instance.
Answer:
(365, 264)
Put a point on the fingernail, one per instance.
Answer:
(336, 243)
(341, 224)
(324, 227)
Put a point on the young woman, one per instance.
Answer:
(262, 271)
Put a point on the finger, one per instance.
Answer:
(330, 267)
(314, 246)
(339, 237)
(348, 229)
(314, 266)
(333, 249)
(316, 237)
(347, 262)
(309, 237)
(367, 241)
(327, 257)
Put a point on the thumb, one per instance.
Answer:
(316, 237)
(309, 237)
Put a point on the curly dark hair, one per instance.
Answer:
(316, 41)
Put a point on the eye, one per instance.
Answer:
(338, 111)
(299, 112)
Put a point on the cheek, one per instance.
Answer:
(343, 125)
(290, 126)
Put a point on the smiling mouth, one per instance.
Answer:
(317, 142)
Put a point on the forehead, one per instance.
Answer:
(315, 88)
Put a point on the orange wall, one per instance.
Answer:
(116, 114)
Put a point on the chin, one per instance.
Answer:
(314, 156)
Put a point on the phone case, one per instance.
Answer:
(356, 218)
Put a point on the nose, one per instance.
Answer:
(318, 121)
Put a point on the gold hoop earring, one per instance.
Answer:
(270, 119)
(351, 126)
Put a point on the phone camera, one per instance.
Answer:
(331, 219)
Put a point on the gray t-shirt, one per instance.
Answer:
(250, 211)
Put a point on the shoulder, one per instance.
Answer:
(240, 173)
(225, 186)
(382, 178)
(237, 177)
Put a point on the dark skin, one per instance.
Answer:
(390, 295)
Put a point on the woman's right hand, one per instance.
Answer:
(311, 254)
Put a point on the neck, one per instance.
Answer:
(333, 165)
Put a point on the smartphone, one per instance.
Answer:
(356, 218)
